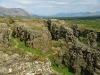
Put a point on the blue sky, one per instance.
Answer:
(50, 7)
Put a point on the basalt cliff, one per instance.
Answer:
(70, 46)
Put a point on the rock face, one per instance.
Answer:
(35, 36)
(89, 35)
(79, 57)
(98, 36)
(17, 65)
(58, 29)
(4, 34)
(74, 48)
(11, 63)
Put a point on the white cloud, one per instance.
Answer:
(62, 3)
(48, 7)
(86, 3)
(24, 1)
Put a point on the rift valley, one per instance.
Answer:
(37, 46)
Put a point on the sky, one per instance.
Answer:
(51, 7)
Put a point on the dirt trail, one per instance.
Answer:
(16, 46)
(10, 37)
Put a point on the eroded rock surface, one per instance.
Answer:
(78, 56)
(4, 34)
(21, 65)
(74, 48)
(35, 35)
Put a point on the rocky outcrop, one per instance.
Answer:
(59, 29)
(77, 49)
(82, 60)
(4, 34)
(35, 36)
(13, 62)
(18, 65)
(89, 35)
(79, 57)
(98, 36)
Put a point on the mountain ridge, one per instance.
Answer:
(13, 12)
(77, 14)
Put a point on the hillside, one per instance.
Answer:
(13, 12)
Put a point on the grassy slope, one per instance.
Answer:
(88, 24)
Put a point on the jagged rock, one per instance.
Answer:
(71, 52)
(76, 31)
(79, 57)
(91, 36)
(59, 29)
(98, 37)
(4, 34)
(18, 65)
(35, 36)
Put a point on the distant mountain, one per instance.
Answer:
(13, 12)
(76, 14)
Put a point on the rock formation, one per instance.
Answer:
(79, 57)
(4, 34)
(35, 36)
(17, 65)
(74, 48)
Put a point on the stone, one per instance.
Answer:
(70, 50)
(4, 34)
(77, 56)
(37, 36)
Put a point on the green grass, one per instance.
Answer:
(22, 46)
(83, 40)
(63, 70)
(48, 53)
(98, 43)
(12, 41)
(88, 24)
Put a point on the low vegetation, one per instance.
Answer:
(63, 70)
(83, 40)
(21, 49)
(88, 24)
(21, 46)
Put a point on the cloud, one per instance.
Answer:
(23, 1)
(49, 7)
(86, 3)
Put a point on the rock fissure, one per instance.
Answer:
(79, 57)
(73, 48)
